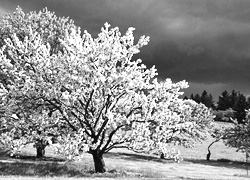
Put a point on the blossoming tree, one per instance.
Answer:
(94, 96)
(51, 30)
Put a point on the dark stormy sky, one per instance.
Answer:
(205, 42)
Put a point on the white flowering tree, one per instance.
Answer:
(50, 27)
(95, 97)
(51, 30)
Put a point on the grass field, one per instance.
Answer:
(225, 164)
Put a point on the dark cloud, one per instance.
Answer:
(206, 42)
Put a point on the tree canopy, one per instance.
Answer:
(235, 101)
(205, 98)
(91, 94)
(50, 28)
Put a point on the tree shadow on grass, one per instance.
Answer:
(33, 169)
(26, 165)
(4, 154)
(145, 158)
(220, 163)
(54, 169)
(137, 157)
(34, 158)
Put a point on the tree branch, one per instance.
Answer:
(105, 105)
(112, 134)
(78, 118)
(116, 99)
(114, 146)
(87, 105)
(101, 129)
(132, 110)
(61, 111)
(102, 139)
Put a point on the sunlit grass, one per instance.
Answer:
(225, 164)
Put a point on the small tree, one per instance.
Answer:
(234, 97)
(235, 134)
(238, 135)
(240, 108)
(207, 99)
(96, 97)
(224, 102)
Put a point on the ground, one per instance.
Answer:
(225, 164)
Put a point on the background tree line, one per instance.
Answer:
(229, 105)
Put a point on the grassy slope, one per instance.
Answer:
(225, 164)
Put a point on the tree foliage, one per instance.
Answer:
(224, 102)
(20, 25)
(235, 134)
(238, 135)
(235, 101)
(225, 115)
(50, 27)
(205, 98)
(92, 95)
(240, 107)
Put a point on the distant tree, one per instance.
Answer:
(197, 98)
(192, 96)
(234, 97)
(234, 101)
(240, 107)
(224, 102)
(185, 98)
(248, 101)
(207, 99)
(204, 98)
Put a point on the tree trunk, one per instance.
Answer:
(98, 161)
(208, 155)
(40, 147)
(40, 152)
(162, 156)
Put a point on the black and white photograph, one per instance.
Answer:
(125, 89)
